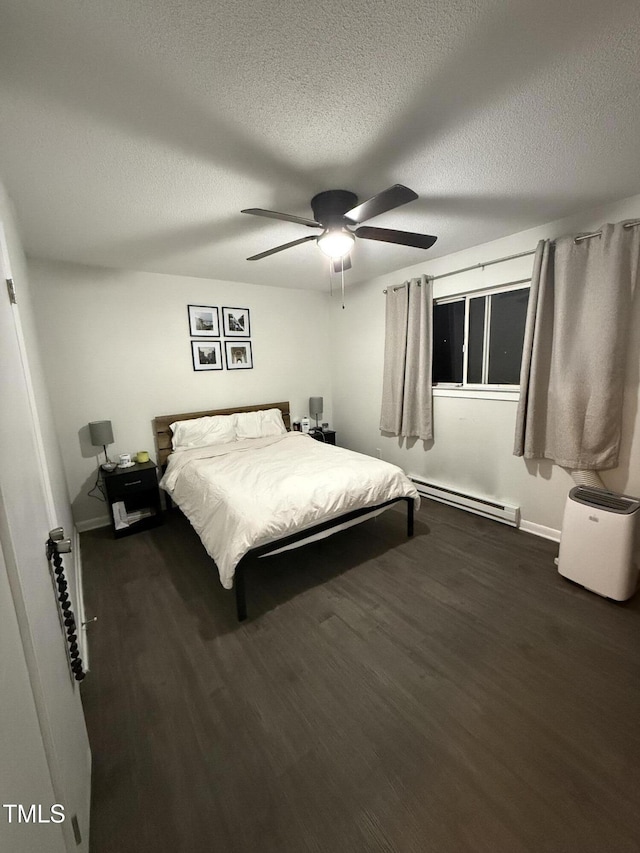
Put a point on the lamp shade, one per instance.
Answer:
(315, 406)
(101, 433)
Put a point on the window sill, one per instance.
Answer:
(477, 393)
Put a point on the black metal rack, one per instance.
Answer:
(56, 546)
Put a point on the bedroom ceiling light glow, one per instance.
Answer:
(336, 243)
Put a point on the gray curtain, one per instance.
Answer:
(575, 346)
(406, 384)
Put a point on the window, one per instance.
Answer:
(478, 337)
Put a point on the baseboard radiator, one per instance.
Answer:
(480, 506)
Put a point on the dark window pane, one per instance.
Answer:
(448, 338)
(476, 337)
(506, 335)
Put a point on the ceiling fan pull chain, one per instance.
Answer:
(342, 267)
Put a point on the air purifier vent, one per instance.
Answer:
(603, 499)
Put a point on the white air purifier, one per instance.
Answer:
(599, 541)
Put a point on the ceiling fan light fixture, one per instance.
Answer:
(336, 242)
(337, 213)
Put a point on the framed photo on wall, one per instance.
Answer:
(207, 355)
(203, 321)
(235, 323)
(239, 355)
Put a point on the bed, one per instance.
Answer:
(251, 488)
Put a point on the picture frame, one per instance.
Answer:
(239, 355)
(207, 355)
(236, 323)
(204, 321)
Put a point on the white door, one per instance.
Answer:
(25, 520)
(24, 769)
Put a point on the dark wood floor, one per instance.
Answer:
(443, 694)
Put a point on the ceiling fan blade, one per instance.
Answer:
(340, 264)
(386, 200)
(403, 238)
(281, 248)
(288, 217)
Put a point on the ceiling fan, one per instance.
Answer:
(336, 212)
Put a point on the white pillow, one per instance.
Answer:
(272, 423)
(248, 425)
(199, 432)
(261, 424)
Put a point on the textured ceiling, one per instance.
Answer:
(134, 131)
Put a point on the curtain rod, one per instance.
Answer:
(473, 267)
(599, 233)
(484, 264)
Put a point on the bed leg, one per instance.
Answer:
(409, 516)
(241, 601)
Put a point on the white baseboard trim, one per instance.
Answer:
(540, 530)
(93, 523)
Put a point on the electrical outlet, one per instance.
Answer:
(378, 453)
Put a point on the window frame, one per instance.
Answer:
(479, 389)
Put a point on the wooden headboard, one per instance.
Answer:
(163, 433)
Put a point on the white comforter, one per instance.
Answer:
(242, 495)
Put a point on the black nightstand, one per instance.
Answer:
(326, 435)
(137, 488)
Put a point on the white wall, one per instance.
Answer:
(118, 348)
(52, 457)
(473, 438)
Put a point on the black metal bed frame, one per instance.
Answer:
(238, 580)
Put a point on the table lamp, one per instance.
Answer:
(315, 408)
(101, 434)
